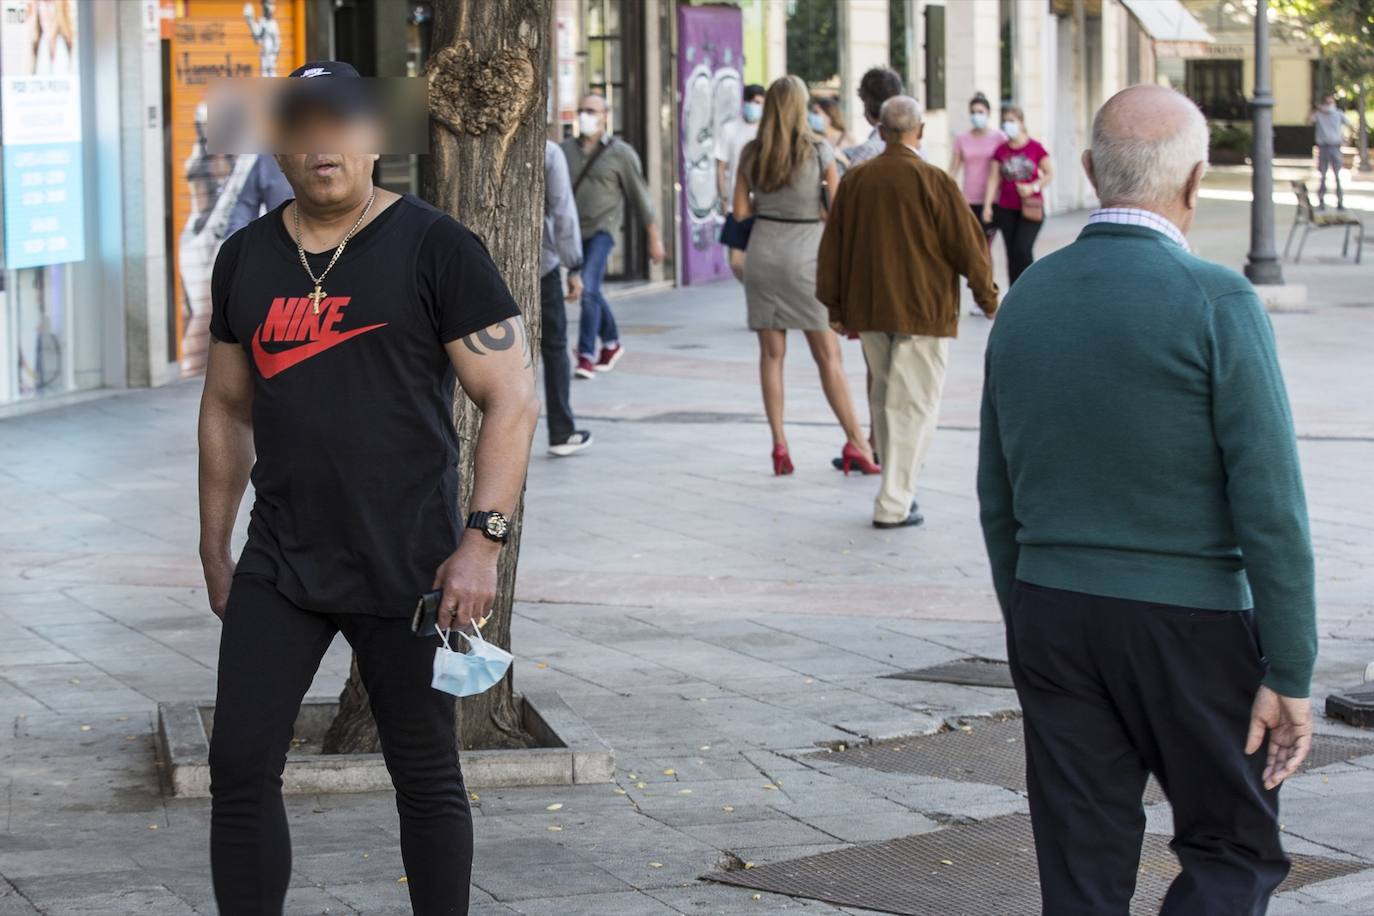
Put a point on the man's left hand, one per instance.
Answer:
(574, 287)
(1288, 723)
(468, 578)
(656, 252)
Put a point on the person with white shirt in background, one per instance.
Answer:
(1330, 123)
(730, 142)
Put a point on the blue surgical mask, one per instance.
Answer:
(979, 120)
(470, 673)
(753, 111)
(816, 122)
(1012, 129)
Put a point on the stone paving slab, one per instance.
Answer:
(703, 616)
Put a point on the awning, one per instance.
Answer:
(1168, 22)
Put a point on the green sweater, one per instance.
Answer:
(1136, 441)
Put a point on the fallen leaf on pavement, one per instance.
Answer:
(655, 864)
(727, 807)
(670, 772)
(554, 807)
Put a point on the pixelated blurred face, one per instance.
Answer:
(326, 156)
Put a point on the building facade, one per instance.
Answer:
(114, 216)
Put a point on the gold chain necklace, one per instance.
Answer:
(318, 295)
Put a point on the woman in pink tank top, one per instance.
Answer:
(973, 152)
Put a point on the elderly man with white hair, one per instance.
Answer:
(1145, 520)
(898, 237)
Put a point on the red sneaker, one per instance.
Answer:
(609, 357)
(585, 367)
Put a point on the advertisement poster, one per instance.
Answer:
(210, 40)
(40, 91)
(710, 59)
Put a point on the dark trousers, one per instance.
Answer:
(1018, 234)
(553, 349)
(1112, 691)
(1329, 158)
(269, 652)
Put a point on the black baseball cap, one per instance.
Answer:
(331, 85)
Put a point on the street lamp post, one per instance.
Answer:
(1262, 266)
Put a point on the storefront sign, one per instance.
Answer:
(710, 58)
(40, 91)
(210, 40)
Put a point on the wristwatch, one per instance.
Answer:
(493, 525)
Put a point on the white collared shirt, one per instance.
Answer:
(1134, 216)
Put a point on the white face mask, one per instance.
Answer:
(979, 120)
(1012, 129)
(588, 124)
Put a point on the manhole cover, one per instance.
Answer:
(982, 869)
(992, 752)
(972, 672)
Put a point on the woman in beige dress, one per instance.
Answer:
(785, 179)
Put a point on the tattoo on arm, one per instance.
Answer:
(502, 336)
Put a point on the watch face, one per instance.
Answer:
(497, 526)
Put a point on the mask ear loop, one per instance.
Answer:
(444, 635)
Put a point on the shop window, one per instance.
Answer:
(899, 38)
(813, 47)
(1217, 88)
(1323, 81)
(935, 58)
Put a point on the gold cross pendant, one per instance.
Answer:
(316, 297)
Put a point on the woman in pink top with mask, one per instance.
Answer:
(973, 152)
(1020, 171)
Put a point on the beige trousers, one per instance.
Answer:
(908, 377)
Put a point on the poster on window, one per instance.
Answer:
(710, 61)
(40, 91)
(214, 194)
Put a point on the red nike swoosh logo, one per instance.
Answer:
(270, 364)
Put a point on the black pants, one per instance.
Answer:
(1018, 234)
(553, 349)
(1112, 691)
(269, 652)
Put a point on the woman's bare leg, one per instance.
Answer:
(825, 349)
(772, 349)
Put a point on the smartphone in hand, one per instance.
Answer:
(426, 617)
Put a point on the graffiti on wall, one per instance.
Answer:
(710, 62)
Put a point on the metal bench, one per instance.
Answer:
(1309, 218)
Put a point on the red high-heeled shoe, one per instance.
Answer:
(851, 457)
(782, 461)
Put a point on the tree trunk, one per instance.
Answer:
(1362, 101)
(485, 167)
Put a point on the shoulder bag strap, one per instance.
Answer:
(600, 148)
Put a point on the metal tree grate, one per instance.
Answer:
(982, 869)
(992, 752)
(971, 672)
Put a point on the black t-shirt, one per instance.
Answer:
(356, 475)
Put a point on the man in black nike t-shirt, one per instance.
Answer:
(340, 320)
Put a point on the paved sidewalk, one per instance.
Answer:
(716, 625)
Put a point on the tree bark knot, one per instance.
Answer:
(472, 93)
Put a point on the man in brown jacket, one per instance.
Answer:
(897, 239)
